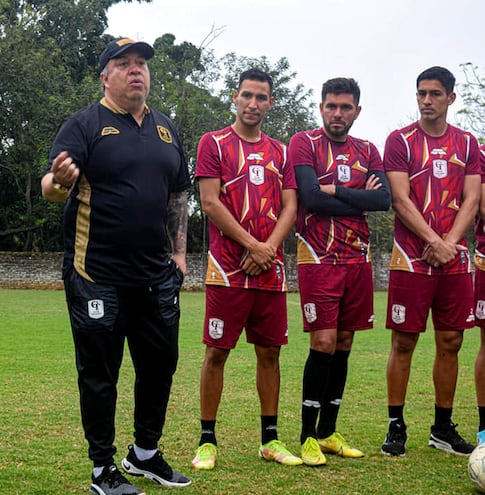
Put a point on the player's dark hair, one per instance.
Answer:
(444, 76)
(256, 74)
(340, 85)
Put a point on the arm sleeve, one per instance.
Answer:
(367, 200)
(317, 201)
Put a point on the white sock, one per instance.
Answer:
(143, 454)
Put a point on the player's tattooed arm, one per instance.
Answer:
(177, 227)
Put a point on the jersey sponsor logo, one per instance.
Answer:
(438, 151)
(96, 309)
(440, 168)
(109, 131)
(255, 156)
(256, 174)
(343, 158)
(164, 134)
(343, 172)
(310, 312)
(216, 328)
(398, 313)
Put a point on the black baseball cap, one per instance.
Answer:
(116, 47)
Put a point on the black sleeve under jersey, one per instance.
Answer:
(367, 200)
(317, 201)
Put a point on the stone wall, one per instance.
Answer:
(43, 271)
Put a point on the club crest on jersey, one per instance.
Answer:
(109, 131)
(398, 313)
(440, 168)
(96, 309)
(216, 328)
(256, 174)
(164, 134)
(310, 312)
(343, 173)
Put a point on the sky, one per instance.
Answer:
(383, 44)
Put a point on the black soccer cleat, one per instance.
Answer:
(445, 437)
(395, 441)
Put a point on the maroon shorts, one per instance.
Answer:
(229, 309)
(336, 296)
(480, 298)
(412, 295)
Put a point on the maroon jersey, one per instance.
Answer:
(333, 239)
(480, 224)
(437, 167)
(253, 176)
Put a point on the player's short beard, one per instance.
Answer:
(340, 133)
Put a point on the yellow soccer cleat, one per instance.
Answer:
(311, 453)
(336, 444)
(277, 451)
(205, 457)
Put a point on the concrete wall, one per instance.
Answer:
(43, 271)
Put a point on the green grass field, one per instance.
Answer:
(43, 451)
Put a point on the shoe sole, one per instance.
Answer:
(391, 454)
(296, 462)
(446, 447)
(134, 471)
(98, 491)
(202, 467)
(340, 452)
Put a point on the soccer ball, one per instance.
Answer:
(476, 467)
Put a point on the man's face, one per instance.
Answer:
(252, 100)
(128, 78)
(433, 102)
(338, 113)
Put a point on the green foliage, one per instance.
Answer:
(293, 109)
(44, 450)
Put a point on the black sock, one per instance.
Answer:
(208, 431)
(330, 404)
(481, 416)
(315, 378)
(269, 430)
(396, 413)
(442, 415)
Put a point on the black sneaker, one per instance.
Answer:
(395, 441)
(112, 482)
(445, 437)
(155, 469)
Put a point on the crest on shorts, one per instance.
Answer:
(256, 174)
(480, 309)
(164, 134)
(216, 328)
(398, 313)
(310, 312)
(96, 309)
(440, 168)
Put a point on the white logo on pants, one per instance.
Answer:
(310, 312)
(480, 309)
(216, 328)
(96, 309)
(398, 313)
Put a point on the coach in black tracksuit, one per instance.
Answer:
(121, 168)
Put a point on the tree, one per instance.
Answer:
(473, 95)
(293, 110)
(48, 61)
